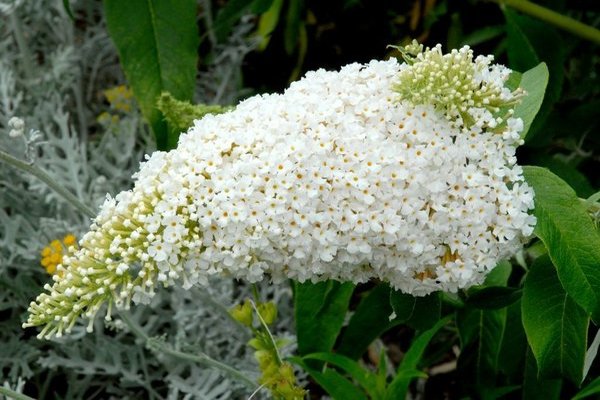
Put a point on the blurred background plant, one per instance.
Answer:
(60, 73)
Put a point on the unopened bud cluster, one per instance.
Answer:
(468, 91)
(348, 175)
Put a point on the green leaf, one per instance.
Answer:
(420, 313)
(157, 43)
(402, 304)
(320, 311)
(493, 297)
(228, 16)
(267, 23)
(531, 42)
(566, 172)
(555, 325)
(406, 371)
(534, 82)
(592, 388)
(292, 26)
(535, 388)
(332, 382)
(569, 235)
(261, 6)
(67, 7)
(368, 322)
(481, 332)
(514, 342)
(365, 378)
(483, 35)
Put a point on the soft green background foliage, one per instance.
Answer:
(158, 43)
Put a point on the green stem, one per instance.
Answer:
(269, 335)
(198, 358)
(554, 18)
(44, 177)
(11, 394)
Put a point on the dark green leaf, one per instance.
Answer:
(157, 43)
(535, 388)
(260, 6)
(592, 388)
(67, 7)
(320, 311)
(514, 342)
(365, 378)
(483, 35)
(426, 313)
(292, 25)
(407, 370)
(531, 42)
(420, 313)
(368, 322)
(569, 174)
(493, 297)
(229, 15)
(555, 325)
(402, 304)
(570, 237)
(334, 384)
(481, 332)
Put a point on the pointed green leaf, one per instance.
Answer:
(368, 322)
(569, 235)
(157, 41)
(514, 343)
(406, 371)
(365, 378)
(535, 388)
(555, 325)
(481, 332)
(592, 388)
(332, 382)
(320, 311)
(534, 82)
(420, 313)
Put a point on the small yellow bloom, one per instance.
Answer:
(46, 252)
(120, 98)
(69, 240)
(56, 246)
(52, 254)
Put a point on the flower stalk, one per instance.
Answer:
(552, 17)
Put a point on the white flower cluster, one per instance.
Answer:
(337, 178)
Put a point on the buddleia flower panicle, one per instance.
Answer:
(347, 175)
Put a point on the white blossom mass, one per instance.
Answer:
(404, 173)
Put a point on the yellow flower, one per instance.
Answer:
(119, 97)
(53, 253)
(69, 240)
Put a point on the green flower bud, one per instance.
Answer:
(243, 313)
(268, 312)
